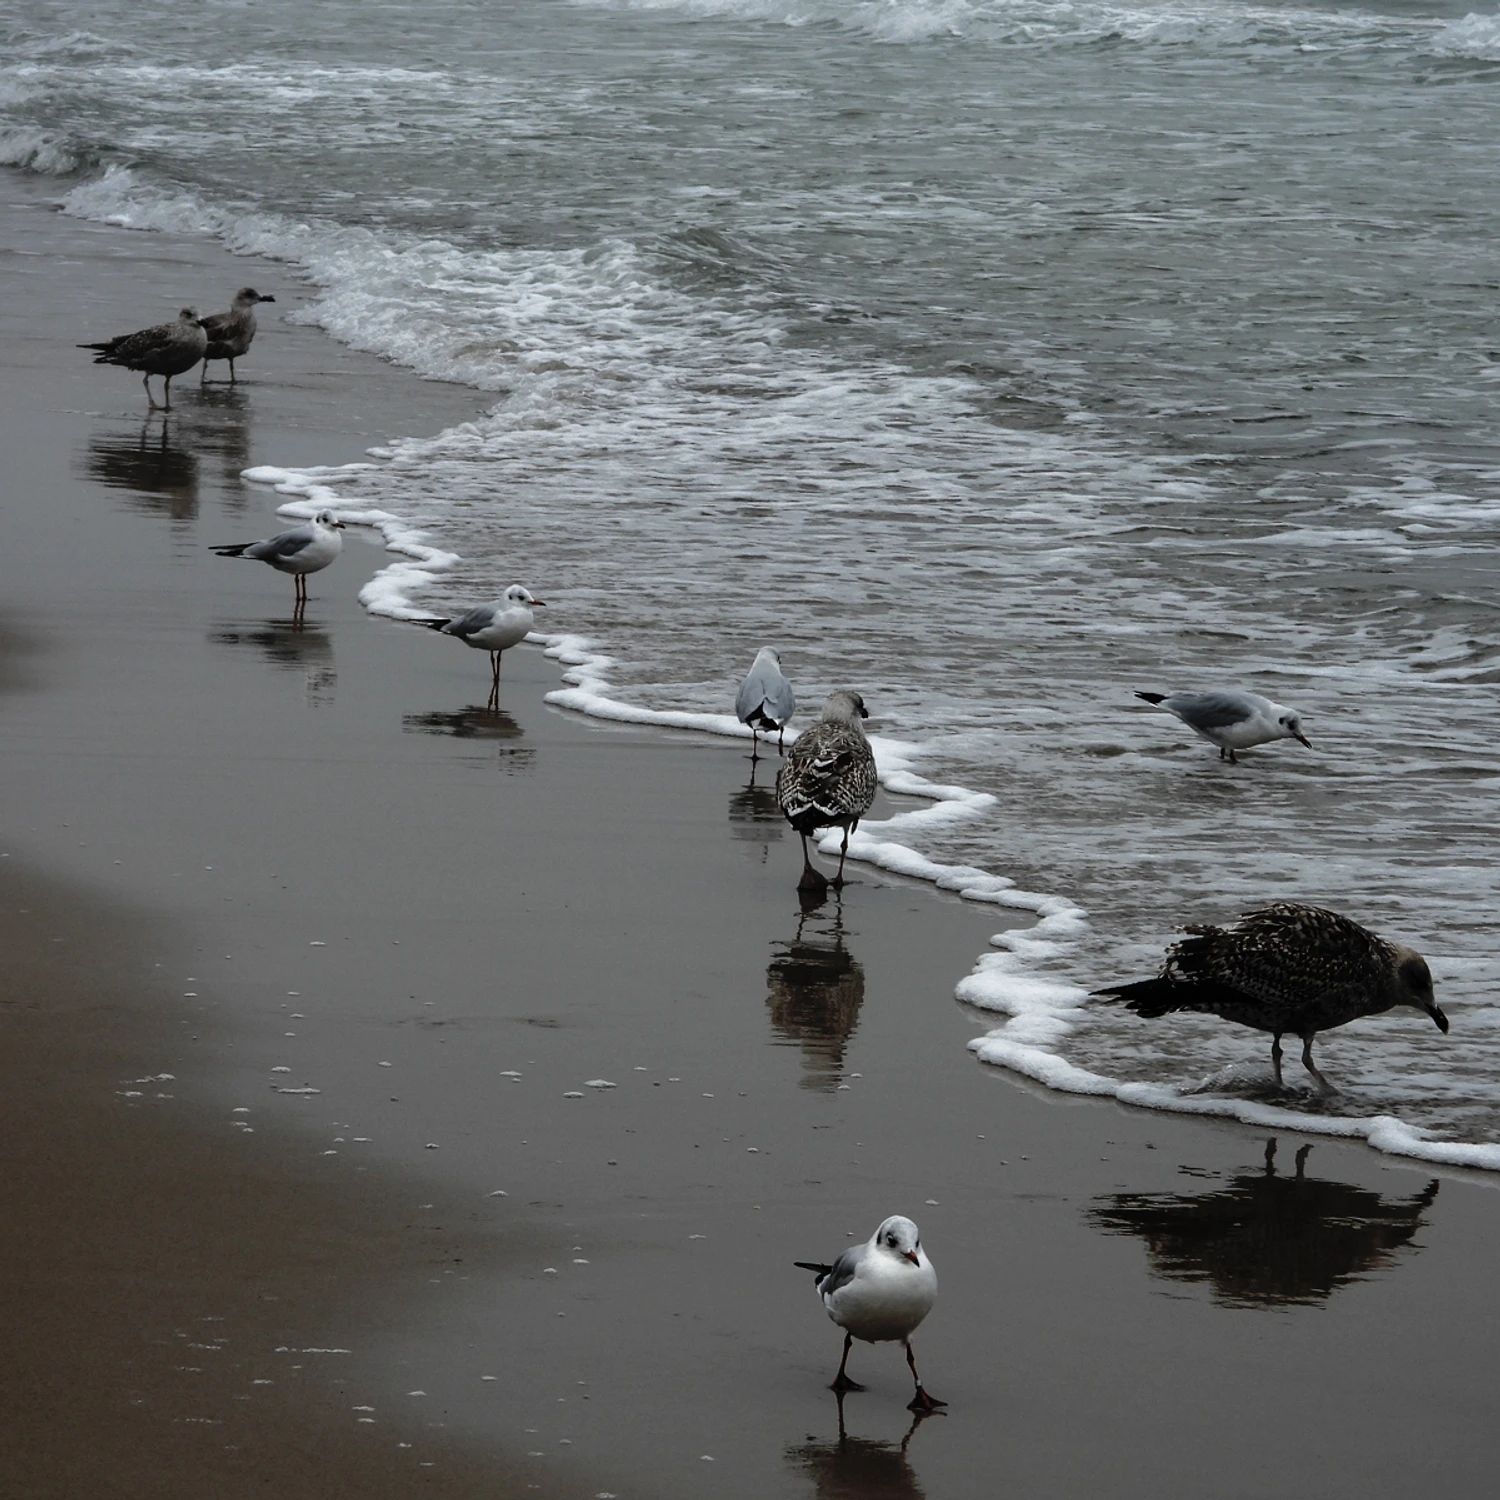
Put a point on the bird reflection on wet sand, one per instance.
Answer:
(160, 475)
(815, 988)
(476, 723)
(754, 815)
(292, 644)
(1267, 1240)
(853, 1468)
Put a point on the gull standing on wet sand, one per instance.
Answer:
(879, 1292)
(494, 627)
(166, 350)
(1285, 968)
(1232, 720)
(302, 550)
(828, 780)
(231, 333)
(765, 700)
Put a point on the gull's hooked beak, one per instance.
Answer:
(1302, 739)
(1439, 1019)
(339, 524)
(911, 1255)
(267, 299)
(542, 602)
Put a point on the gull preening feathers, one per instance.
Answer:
(302, 550)
(879, 1292)
(1285, 968)
(828, 780)
(1232, 720)
(494, 627)
(765, 700)
(231, 333)
(166, 350)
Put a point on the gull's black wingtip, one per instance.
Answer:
(1152, 697)
(808, 1265)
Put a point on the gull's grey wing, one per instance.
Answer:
(481, 617)
(1210, 710)
(780, 701)
(283, 545)
(842, 1271)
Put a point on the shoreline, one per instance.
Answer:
(418, 901)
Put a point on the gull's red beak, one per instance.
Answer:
(1302, 739)
(542, 602)
(911, 1255)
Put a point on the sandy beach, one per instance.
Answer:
(317, 973)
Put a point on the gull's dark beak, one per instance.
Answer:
(542, 602)
(911, 1255)
(267, 299)
(864, 713)
(339, 524)
(1438, 1019)
(1302, 739)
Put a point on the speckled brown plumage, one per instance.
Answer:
(1285, 968)
(828, 779)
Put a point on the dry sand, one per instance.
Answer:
(263, 860)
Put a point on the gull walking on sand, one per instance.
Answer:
(879, 1292)
(765, 700)
(1232, 720)
(166, 350)
(494, 628)
(1285, 968)
(828, 780)
(231, 333)
(302, 550)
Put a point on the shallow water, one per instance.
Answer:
(997, 359)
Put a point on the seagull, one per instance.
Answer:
(230, 333)
(1285, 967)
(828, 780)
(1232, 720)
(166, 350)
(494, 627)
(300, 551)
(879, 1292)
(765, 699)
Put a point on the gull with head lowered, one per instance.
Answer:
(1232, 720)
(878, 1293)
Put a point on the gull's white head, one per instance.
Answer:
(900, 1238)
(845, 707)
(1290, 725)
(327, 518)
(247, 296)
(517, 597)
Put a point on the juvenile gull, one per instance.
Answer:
(494, 627)
(230, 333)
(1232, 720)
(302, 550)
(166, 350)
(1285, 968)
(828, 780)
(879, 1292)
(765, 699)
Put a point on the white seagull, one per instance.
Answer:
(494, 627)
(765, 699)
(302, 550)
(879, 1292)
(1232, 720)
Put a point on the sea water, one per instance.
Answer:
(997, 359)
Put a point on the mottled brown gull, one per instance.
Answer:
(828, 780)
(1285, 968)
(231, 333)
(166, 350)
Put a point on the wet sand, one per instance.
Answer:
(270, 861)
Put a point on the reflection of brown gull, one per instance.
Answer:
(815, 989)
(150, 466)
(855, 1468)
(1266, 1240)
